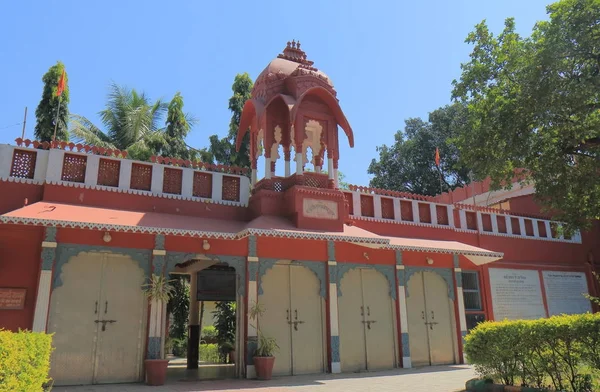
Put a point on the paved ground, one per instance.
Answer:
(430, 379)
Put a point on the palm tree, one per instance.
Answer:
(131, 122)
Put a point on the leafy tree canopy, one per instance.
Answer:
(132, 121)
(45, 113)
(223, 150)
(409, 164)
(534, 104)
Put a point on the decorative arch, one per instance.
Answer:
(237, 262)
(385, 270)
(444, 273)
(317, 267)
(251, 115)
(332, 103)
(67, 251)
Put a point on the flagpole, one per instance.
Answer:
(56, 122)
(440, 171)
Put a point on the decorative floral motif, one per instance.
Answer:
(445, 273)
(385, 270)
(66, 251)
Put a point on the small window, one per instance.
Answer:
(472, 299)
(471, 291)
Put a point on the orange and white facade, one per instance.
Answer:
(351, 280)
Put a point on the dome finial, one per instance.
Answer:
(294, 43)
(298, 44)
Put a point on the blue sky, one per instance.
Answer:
(389, 60)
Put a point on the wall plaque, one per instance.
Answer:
(516, 294)
(564, 292)
(12, 299)
(320, 209)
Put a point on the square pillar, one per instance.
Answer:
(42, 301)
(252, 340)
(462, 317)
(415, 210)
(158, 309)
(404, 337)
(334, 326)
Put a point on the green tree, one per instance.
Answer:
(131, 121)
(178, 306)
(409, 164)
(534, 105)
(223, 150)
(45, 113)
(178, 127)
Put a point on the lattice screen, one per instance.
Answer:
(141, 177)
(231, 188)
(172, 180)
(23, 164)
(202, 185)
(501, 223)
(406, 210)
(74, 168)
(108, 172)
(348, 197)
(442, 215)
(366, 206)
(387, 208)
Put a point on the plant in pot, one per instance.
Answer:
(159, 291)
(263, 358)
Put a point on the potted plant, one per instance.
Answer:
(159, 291)
(263, 358)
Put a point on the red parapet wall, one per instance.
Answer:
(20, 248)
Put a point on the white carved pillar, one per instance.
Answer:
(462, 317)
(42, 301)
(252, 340)
(404, 336)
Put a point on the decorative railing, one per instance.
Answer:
(93, 167)
(398, 207)
(282, 184)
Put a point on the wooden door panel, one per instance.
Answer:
(274, 323)
(71, 318)
(379, 321)
(352, 333)
(119, 352)
(307, 335)
(438, 311)
(417, 329)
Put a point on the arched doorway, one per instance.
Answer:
(431, 321)
(366, 314)
(214, 324)
(294, 316)
(98, 318)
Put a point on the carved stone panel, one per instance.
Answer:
(320, 209)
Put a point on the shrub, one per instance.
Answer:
(179, 347)
(209, 334)
(24, 360)
(209, 353)
(559, 352)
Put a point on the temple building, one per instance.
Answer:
(351, 280)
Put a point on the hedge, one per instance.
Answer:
(24, 360)
(560, 353)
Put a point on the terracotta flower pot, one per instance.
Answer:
(264, 367)
(156, 371)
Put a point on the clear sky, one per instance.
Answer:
(389, 60)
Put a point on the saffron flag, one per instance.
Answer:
(61, 84)
(437, 157)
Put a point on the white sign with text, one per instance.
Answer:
(564, 292)
(516, 294)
